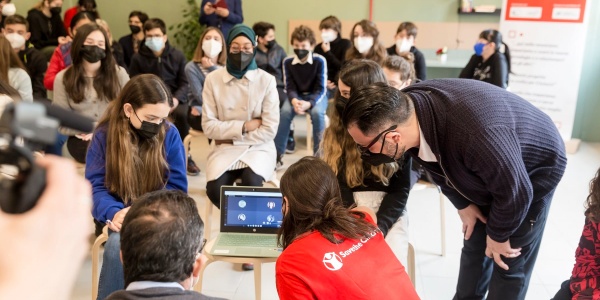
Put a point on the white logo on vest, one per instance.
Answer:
(332, 261)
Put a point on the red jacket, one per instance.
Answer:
(61, 59)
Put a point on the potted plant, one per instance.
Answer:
(442, 54)
(189, 30)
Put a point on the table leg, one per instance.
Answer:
(257, 280)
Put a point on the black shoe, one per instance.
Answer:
(279, 162)
(192, 168)
(247, 267)
(291, 143)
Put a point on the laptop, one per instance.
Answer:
(250, 218)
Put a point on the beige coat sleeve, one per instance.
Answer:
(212, 126)
(269, 115)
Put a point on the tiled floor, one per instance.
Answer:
(436, 275)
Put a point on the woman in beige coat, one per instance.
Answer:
(241, 115)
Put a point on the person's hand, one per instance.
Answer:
(117, 221)
(222, 12)
(297, 105)
(331, 85)
(252, 124)
(469, 216)
(209, 9)
(57, 227)
(495, 250)
(85, 137)
(195, 112)
(303, 106)
(175, 104)
(326, 47)
(206, 62)
(64, 39)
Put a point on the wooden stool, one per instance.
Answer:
(421, 185)
(96, 260)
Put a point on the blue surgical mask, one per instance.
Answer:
(155, 43)
(479, 48)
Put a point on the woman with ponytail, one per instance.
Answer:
(491, 61)
(327, 248)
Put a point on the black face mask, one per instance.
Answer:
(55, 10)
(135, 29)
(376, 159)
(340, 104)
(92, 54)
(301, 53)
(240, 60)
(270, 44)
(148, 129)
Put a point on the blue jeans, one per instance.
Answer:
(56, 149)
(111, 273)
(286, 115)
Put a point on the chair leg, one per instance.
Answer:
(257, 280)
(443, 222)
(208, 219)
(309, 135)
(198, 287)
(96, 260)
(411, 264)
(187, 141)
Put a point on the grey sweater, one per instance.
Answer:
(163, 293)
(493, 149)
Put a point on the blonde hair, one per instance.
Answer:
(339, 149)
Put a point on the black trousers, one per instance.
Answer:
(180, 119)
(565, 291)
(249, 178)
(479, 274)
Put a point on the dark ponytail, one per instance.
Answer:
(314, 203)
(494, 36)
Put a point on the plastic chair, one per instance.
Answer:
(96, 260)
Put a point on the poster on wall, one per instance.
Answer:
(546, 39)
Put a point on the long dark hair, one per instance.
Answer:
(593, 199)
(377, 52)
(133, 166)
(315, 203)
(106, 82)
(494, 36)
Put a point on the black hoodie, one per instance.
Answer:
(169, 66)
(36, 65)
(45, 31)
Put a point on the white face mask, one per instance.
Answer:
(16, 40)
(403, 45)
(9, 9)
(363, 44)
(328, 35)
(155, 43)
(212, 48)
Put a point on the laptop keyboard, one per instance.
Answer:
(247, 240)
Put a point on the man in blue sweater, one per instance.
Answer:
(305, 78)
(495, 156)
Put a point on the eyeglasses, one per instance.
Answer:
(236, 48)
(365, 150)
(202, 245)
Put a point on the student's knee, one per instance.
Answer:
(213, 191)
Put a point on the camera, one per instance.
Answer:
(26, 127)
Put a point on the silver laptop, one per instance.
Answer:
(250, 218)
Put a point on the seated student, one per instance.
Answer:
(241, 114)
(223, 14)
(158, 57)
(334, 49)
(7, 9)
(489, 63)
(344, 244)
(82, 5)
(161, 248)
(13, 72)
(131, 42)
(16, 31)
(269, 57)
(405, 42)
(134, 150)
(365, 43)
(61, 58)
(89, 84)
(46, 25)
(305, 76)
(115, 48)
(210, 55)
(383, 188)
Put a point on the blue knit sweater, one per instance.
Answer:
(107, 204)
(493, 149)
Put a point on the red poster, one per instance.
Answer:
(566, 11)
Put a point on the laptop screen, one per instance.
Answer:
(248, 209)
